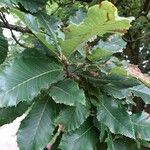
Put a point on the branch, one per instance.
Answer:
(5, 22)
(49, 145)
(15, 27)
(135, 72)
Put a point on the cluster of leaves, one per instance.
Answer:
(76, 94)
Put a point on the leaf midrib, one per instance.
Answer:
(40, 118)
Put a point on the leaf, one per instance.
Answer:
(98, 54)
(109, 141)
(142, 125)
(78, 17)
(9, 114)
(124, 144)
(3, 47)
(37, 128)
(118, 71)
(105, 49)
(6, 2)
(27, 76)
(115, 91)
(32, 6)
(120, 122)
(141, 91)
(31, 22)
(67, 92)
(45, 22)
(84, 138)
(145, 143)
(72, 117)
(100, 19)
(114, 43)
(115, 118)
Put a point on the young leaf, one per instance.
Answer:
(100, 19)
(9, 114)
(115, 118)
(84, 138)
(26, 76)
(98, 54)
(37, 128)
(72, 117)
(67, 92)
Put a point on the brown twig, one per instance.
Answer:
(15, 28)
(49, 145)
(5, 22)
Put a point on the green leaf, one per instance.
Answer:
(145, 143)
(115, 118)
(109, 141)
(98, 54)
(32, 23)
(100, 19)
(106, 48)
(118, 71)
(37, 128)
(27, 76)
(3, 47)
(142, 125)
(78, 17)
(114, 43)
(124, 144)
(115, 91)
(84, 138)
(120, 122)
(72, 117)
(67, 92)
(141, 91)
(9, 114)
(32, 6)
(45, 22)
(6, 2)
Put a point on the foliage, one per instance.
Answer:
(70, 78)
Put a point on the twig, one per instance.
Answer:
(15, 27)
(3, 18)
(49, 145)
